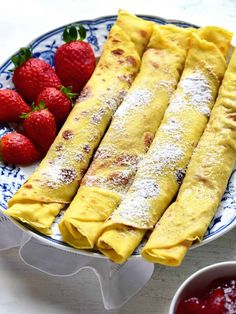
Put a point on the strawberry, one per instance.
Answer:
(192, 305)
(57, 101)
(12, 105)
(16, 149)
(40, 126)
(74, 60)
(32, 75)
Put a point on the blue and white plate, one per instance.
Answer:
(11, 177)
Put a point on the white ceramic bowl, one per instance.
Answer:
(200, 279)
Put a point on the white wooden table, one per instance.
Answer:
(25, 290)
(28, 291)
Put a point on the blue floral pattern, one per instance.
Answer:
(44, 47)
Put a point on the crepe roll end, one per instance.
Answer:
(39, 216)
(118, 242)
(172, 256)
(80, 234)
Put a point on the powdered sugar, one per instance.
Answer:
(168, 86)
(136, 206)
(172, 126)
(136, 99)
(79, 157)
(163, 156)
(105, 151)
(58, 173)
(195, 94)
(133, 209)
(110, 99)
(97, 117)
(147, 188)
(117, 181)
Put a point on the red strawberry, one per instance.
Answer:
(12, 105)
(74, 60)
(40, 126)
(16, 149)
(192, 305)
(57, 101)
(32, 75)
(216, 301)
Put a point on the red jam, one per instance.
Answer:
(220, 298)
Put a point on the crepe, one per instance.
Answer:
(162, 170)
(188, 218)
(57, 178)
(128, 138)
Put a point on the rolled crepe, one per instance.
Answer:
(57, 178)
(187, 219)
(128, 137)
(162, 170)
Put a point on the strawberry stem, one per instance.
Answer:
(40, 106)
(68, 93)
(72, 33)
(24, 115)
(23, 55)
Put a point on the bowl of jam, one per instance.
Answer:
(211, 290)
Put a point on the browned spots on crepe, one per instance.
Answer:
(143, 33)
(28, 186)
(131, 60)
(117, 52)
(121, 61)
(103, 66)
(98, 165)
(202, 179)
(68, 175)
(115, 40)
(155, 64)
(67, 134)
(82, 172)
(156, 51)
(59, 148)
(86, 148)
(117, 178)
(126, 159)
(232, 116)
(179, 175)
(127, 78)
(148, 138)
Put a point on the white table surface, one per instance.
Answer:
(28, 291)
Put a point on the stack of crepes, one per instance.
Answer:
(128, 185)
(161, 171)
(57, 178)
(187, 219)
(128, 138)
